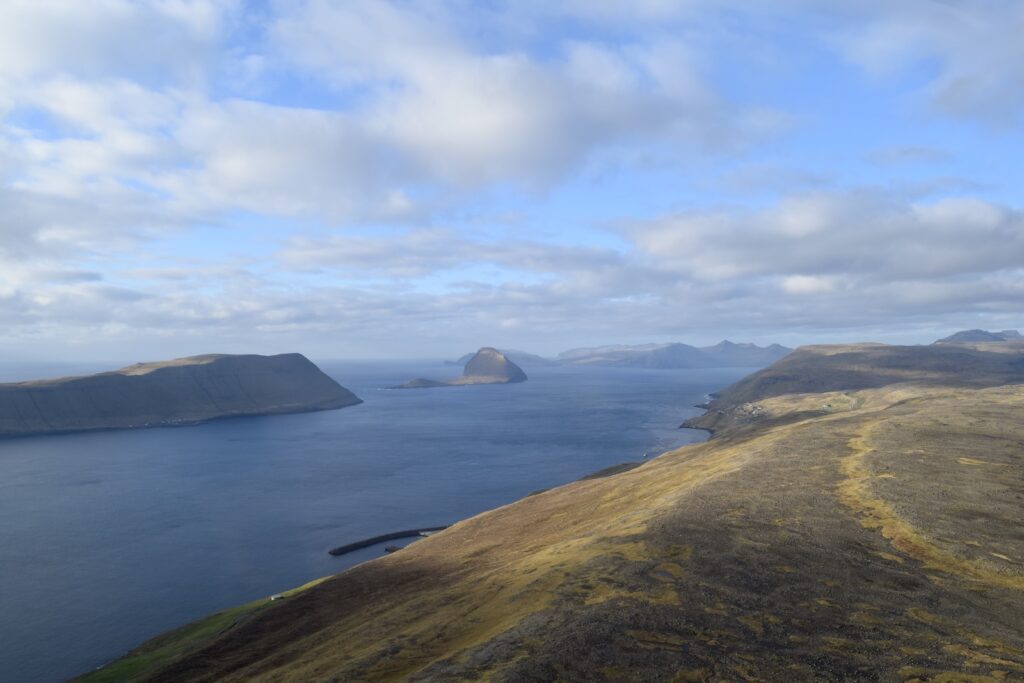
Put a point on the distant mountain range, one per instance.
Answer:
(655, 356)
(974, 336)
(677, 355)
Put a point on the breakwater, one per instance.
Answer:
(367, 542)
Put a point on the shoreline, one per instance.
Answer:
(179, 640)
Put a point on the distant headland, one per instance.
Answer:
(174, 392)
(487, 366)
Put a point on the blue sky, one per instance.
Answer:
(414, 179)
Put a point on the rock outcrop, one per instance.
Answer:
(175, 392)
(487, 366)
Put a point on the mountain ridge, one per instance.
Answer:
(676, 355)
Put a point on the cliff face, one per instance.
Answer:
(182, 391)
(867, 534)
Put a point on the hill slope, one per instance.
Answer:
(181, 391)
(857, 524)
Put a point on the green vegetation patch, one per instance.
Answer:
(154, 654)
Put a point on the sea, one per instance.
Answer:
(110, 538)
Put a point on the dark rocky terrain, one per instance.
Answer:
(177, 392)
(855, 517)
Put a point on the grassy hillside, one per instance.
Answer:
(855, 517)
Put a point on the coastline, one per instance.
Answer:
(4, 436)
(165, 647)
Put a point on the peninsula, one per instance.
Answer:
(175, 392)
(487, 366)
(855, 516)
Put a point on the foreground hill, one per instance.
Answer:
(832, 368)
(176, 392)
(855, 517)
(676, 355)
(487, 366)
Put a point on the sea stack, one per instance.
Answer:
(487, 366)
(490, 366)
(175, 392)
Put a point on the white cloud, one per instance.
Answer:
(100, 38)
(807, 284)
(472, 117)
(867, 234)
(355, 129)
(972, 50)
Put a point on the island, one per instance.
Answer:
(487, 366)
(176, 392)
(855, 516)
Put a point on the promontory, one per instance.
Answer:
(175, 392)
(487, 366)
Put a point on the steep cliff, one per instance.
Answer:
(176, 392)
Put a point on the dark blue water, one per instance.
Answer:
(109, 538)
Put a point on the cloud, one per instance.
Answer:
(422, 252)
(907, 154)
(860, 260)
(968, 50)
(137, 39)
(867, 235)
(468, 117)
(195, 169)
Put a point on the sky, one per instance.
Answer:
(384, 179)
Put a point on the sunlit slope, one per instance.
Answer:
(851, 535)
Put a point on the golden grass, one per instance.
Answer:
(856, 493)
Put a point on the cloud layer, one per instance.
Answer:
(407, 176)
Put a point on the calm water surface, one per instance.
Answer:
(109, 538)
